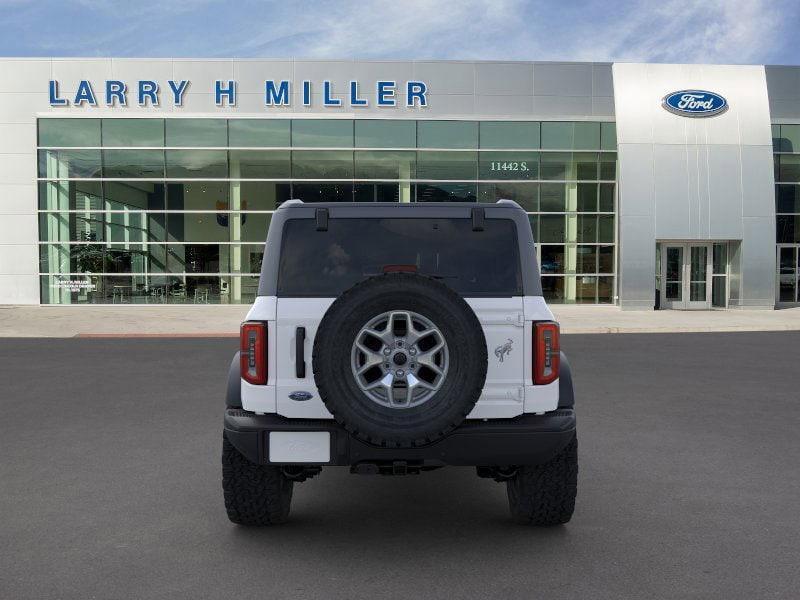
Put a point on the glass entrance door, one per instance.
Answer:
(673, 276)
(699, 277)
(686, 276)
(788, 291)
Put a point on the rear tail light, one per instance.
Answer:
(399, 268)
(546, 352)
(253, 352)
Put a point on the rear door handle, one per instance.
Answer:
(299, 352)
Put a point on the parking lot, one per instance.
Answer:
(689, 484)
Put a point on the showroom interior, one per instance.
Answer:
(139, 223)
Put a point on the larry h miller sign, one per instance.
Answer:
(276, 93)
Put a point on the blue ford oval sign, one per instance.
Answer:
(695, 103)
(301, 396)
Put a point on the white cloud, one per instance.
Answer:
(712, 31)
(385, 28)
(716, 31)
(736, 31)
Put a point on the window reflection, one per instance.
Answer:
(385, 165)
(137, 222)
(260, 164)
(524, 194)
(383, 133)
(259, 133)
(321, 164)
(197, 164)
(65, 133)
(68, 164)
(197, 133)
(447, 134)
(509, 134)
(322, 133)
(133, 132)
(131, 164)
(447, 165)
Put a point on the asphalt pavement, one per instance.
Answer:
(689, 484)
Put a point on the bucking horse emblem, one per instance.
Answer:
(501, 351)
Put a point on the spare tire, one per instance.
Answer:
(400, 360)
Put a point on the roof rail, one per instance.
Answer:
(292, 202)
(507, 202)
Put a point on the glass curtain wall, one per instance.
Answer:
(176, 210)
(786, 146)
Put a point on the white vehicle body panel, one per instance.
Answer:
(502, 320)
(294, 313)
(507, 326)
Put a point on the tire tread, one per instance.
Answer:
(254, 494)
(544, 495)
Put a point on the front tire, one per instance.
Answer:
(254, 494)
(545, 494)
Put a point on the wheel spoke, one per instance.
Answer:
(372, 361)
(369, 352)
(371, 358)
(386, 382)
(388, 385)
(415, 382)
(427, 358)
(413, 336)
(411, 385)
(435, 368)
(384, 336)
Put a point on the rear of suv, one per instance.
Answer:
(395, 339)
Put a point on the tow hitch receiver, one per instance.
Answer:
(397, 467)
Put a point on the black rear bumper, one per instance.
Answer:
(524, 440)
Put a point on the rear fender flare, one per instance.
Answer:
(566, 391)
(233, 394)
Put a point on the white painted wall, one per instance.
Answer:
(694, 178)
(21, 95)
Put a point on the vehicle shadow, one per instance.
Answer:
(433, 509)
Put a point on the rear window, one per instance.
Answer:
(472, 263)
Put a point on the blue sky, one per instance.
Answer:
(711, 31)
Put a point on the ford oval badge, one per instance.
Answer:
(695, 103)
(301, 396)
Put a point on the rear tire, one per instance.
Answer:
(254, 494)
(544, 495)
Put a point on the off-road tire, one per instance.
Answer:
(545, 494)
(254, 494)
(385, 426)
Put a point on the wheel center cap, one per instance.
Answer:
(400, 359)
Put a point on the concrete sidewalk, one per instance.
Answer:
(223, 320)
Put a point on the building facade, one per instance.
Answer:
(128, 181)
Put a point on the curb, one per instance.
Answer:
(732, 329)
(154, 335)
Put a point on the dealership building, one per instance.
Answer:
(152, 181)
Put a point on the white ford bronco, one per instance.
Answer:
(395, 339)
